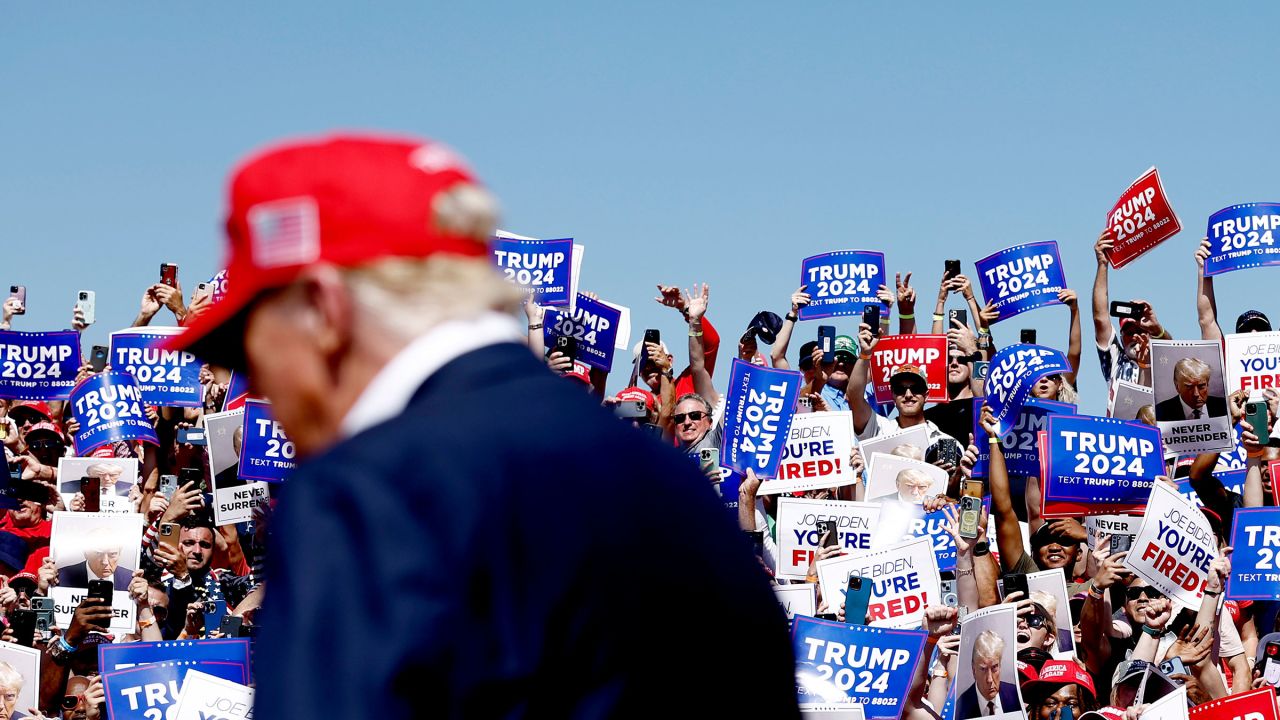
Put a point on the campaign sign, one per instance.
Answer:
(1232, 480)
(798, 535)
(904, 579)
(900, 522)
(841, 283)
(1022, 278)
(1257, 704)
(118, 656)
(1243, 236)
(267, 454)
(108, 407)
(871, 666)
(1127, 398)
(816, 455)
(1252, 362)
(1099, 466)
(208, 697)
(727, 488)
(146, 692)
(1140, 220)
(218, 286)
(927, 351)
(1111, 526)
(592, 323)
(801, 599)
(38, 365)
(1174, 547)
(541, 267)
(1169, 707)
(1014, 371)
(1021, 451)
(166, 377)
(1191, 400)
(1255, 560)
(759, 408)
(237, 392)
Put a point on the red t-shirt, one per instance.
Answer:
(36, 536)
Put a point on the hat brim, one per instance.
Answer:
(216, 336)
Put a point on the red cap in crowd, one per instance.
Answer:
(29, 407)
(46, 426)
(1053, 675)
(345, 200)
(634, 393)
(581, 371)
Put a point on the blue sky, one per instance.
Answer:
(679, 142)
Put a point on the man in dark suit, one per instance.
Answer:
(1193, 402)
(101, 562)
(988, 695)
(514, 541)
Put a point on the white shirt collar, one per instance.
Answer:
(388, 394)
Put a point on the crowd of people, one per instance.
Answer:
(1131, 643)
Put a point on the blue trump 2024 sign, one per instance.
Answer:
(146, 692)
(1020, 446)
(165, 377)
(118, 656)
(759, 407)
(858, 663)
(1013, 372)
(1099, 465)
(841, 283)
(1022, 278)
(1243, 236)
(108, 407)
(1255, 560)
(266, 454)
(38, 365)
(541, 267)
(592, 323)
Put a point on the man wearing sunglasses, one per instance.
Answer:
(909, 387)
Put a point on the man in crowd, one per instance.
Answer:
(380, 324)
(194, 581)
(1193, 402)
(989, 695)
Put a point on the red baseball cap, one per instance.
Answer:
(634, 393)
(345, 200)
(581, 372)
(46, 427)
(1053, 675)
(38, 407)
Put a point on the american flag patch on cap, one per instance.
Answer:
(284, 232)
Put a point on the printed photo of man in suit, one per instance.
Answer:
(988, 696)
(1193, 402)
(101, 562)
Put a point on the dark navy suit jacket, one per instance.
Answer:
(508, 548)
(969, 704)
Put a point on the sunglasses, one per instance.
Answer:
(914, 389)
(1035, 621)
(44, 444)
(695, 416)
(70, 702)
(1133, 593)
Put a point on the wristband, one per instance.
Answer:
(695, 334)
(984, 331)
(904, 316)
(1153, 632)
(66, 646)
(1095, 592)
(865, 356)
(144, 624)
(993, 440)
(536, 327)
(961, 573)
(938, 317)
(1213, 593)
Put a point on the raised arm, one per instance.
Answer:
(1008, 534)
(1101, 300)
(695, 302)
(778, 353)
(536, 314)
(856, 391)
(906, 304)
(1068, 298)
(1206, 303)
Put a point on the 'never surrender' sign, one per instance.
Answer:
(108, 407)
(1022, 278)
(759, 407)
(1243, 236)
(1099, 466)
(267, 454)
(1140, 220)
(1255, 570)
(841, 282)
(871, 666)
(165, 377)
(38, 365)
(1013, 372)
